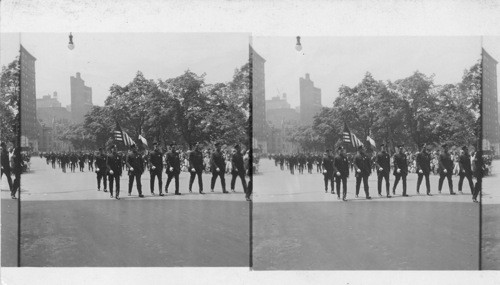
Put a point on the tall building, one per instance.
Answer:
(258, 101)
(81, 98)
(277, 102)
(310, 100)
(491, 126)
(29, 122)
(48, 101)
(281, 118)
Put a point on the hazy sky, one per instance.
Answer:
(335, 61)
(107, 58)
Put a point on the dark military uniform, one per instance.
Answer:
(401, 164)
(90, 161)
(196, 163)
(81, 161)
(101, 170)
(423, 170)
(383, 164)
(328, 170)
(217, 161)
(155, 170)
(238, 171)
(465, 172)
(478, 171)
(135, 163)
(362, 163)
(445, 163)
(6, 167)
(341, 163)
(114, 165)
(173, 170)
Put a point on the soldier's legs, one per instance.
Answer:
(243, 182)
(169, 178)
(223, 181)
(419, 181)
(477, 189)
(160, 181)
(379, 183)
(16, 185)
(450, 182)
(387, 184)
(191, 180)
(404, 184)
(337, 185)
(461, 181)
(214, 179)
(200, 181)
(427, 183)
(358, 184)
(117, 180)
(99, 178)
(440, 183)
(471, 184)
(365, 185)
(9, 179)
(332, 181)
(130, 183)
(396, 181)
(325, 178)
(152, 176)
(138, 183)
(176, 177)
(344, 187)
(110, 179)
(233, 180)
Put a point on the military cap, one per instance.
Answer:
(236, 146)
(340, 147)
(444, 145)
(217, 144)
(381, 145)
(465, 147)
(172, 143)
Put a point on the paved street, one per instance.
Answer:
(298, 226)
(491, 219)
(66, 222)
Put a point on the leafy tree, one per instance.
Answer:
(9, 101)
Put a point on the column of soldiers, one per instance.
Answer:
(109, 167)
(335, 169)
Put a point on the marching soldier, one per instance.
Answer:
(479, 166)
(101, 169)
(218, 168)
(465, 170)
(383, 166)
(173, 168)
(90, 159)
(196, 167)
(135, 164)
(445, 169)
(400, 170)
(424, 169)
(363, 170)
(115, 172)
(155, 168)
(328, 170)
(5, 167)
(341, 164)
(238, 171)
(81, 161)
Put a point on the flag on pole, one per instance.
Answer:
(371, 141)
(351, 138)
(143, 140)
(121, 135)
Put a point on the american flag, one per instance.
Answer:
(121, 135)
(351, 138)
